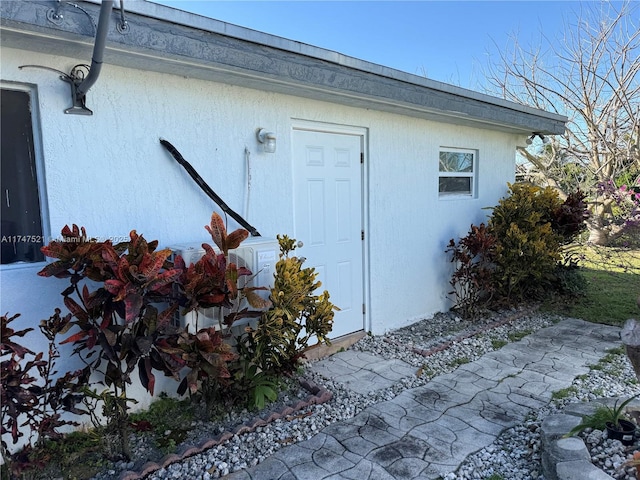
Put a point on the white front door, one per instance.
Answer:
(328, 218)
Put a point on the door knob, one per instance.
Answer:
(300, 244)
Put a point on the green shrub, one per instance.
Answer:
(520, 254)
(295, 317)
(569, 280)
(528, 249)
(497, 344)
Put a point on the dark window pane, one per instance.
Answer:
(21, 220)
(455, 185)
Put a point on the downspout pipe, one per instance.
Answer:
(98, 50)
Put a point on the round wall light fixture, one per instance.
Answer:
(268, 140)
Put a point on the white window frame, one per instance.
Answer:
(471, 175)
(39, 166)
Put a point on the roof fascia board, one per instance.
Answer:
(154, 10)
(168, 40)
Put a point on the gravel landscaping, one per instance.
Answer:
(515, 455)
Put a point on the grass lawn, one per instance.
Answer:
(613, 285)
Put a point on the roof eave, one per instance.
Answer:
(212, 50)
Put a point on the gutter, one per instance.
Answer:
(80, 85)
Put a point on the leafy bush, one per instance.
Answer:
(212, 281)
(251, 386)
(569, 219)
(31, 395)
(528, 248)
(118, 329)
(519, 255)
(119, 318)
(568, 279)
(296, 316)
(602, 416)
(472, 280)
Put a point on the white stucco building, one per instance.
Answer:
(356, 174)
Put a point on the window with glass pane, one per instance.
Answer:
(456, 172)
(22, 234)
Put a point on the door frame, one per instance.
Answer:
(363, 133)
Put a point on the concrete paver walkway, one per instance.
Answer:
(363, 372)
(428, 431)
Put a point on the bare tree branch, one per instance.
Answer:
(591, 75)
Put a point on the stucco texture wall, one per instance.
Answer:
(411, 225)
(109, 173)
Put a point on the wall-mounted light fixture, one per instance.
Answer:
(267, 139)
(544, 139)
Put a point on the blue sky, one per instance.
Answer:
(449, 41)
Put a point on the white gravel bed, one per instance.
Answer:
(514, 455)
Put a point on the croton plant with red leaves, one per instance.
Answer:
(121, 317)
(122, 299)
(33, 395)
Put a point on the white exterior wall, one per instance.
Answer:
(109, 173)
(410, 226)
